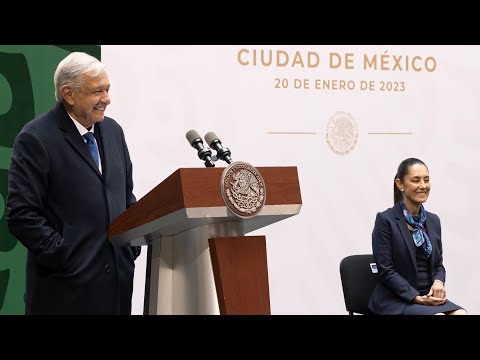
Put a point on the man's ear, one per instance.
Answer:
(67, 94)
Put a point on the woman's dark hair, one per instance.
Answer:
(402, 171)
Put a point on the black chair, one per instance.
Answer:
(359, 278)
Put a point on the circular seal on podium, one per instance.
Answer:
(243, 189)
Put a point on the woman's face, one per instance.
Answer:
(415, 185)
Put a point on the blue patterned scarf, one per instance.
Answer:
(420, 237)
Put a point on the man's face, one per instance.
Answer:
(91, 100)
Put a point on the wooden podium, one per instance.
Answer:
(199, 260)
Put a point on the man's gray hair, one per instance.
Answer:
(70, 71)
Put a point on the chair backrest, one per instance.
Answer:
(359, 278)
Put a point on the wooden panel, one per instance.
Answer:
(282, 185)
(164, 199)
(202, 186)
(241, 274)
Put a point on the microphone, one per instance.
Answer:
(204, 153)
(214, 142)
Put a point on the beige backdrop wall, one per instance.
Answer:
(396, 102)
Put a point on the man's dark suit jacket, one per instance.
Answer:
(60, 206)
(395, 255)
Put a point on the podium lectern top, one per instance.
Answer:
(191, 197)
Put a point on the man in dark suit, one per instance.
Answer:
(70, 176)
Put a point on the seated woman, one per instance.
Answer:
(407, 248)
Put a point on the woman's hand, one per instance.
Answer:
(429, 300)
(438, 290)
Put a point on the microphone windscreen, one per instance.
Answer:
(210, 137)
(192, 135)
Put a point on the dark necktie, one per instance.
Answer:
(92, 146)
